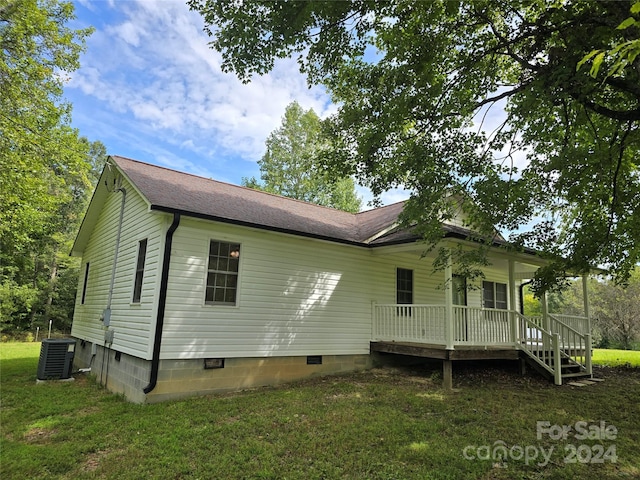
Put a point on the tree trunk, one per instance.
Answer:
(53, 277)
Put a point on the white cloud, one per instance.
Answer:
(152, 89)
(128, 32)
(153, 64)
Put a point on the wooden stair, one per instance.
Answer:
(569, 367)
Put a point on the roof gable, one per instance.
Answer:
(105, 185)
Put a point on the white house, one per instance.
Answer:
(192, 286)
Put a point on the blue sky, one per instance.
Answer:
(150, 88)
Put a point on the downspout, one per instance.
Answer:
(521, 295)
(162, 302)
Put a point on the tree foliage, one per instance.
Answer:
(615, 309)
(622, 55)
(420, 86)
(617, 313)
(288, 166)
(45, 171)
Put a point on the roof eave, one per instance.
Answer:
(231, 221)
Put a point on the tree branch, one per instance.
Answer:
(622, 115)
(499, 97)
(614, 196)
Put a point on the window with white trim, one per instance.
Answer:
(404, 286)
(494, 295)
(137, 283)
(222, 273)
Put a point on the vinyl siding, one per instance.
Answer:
(132, 323)
(296, 296)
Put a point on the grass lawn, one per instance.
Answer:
(382, 424)
(616, 358)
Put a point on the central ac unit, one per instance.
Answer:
(56, 358)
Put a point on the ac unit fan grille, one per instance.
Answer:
(56, 358)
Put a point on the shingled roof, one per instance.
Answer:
(177, 192)
(171, 191)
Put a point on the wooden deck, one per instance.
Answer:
(439, 352)
(457, 333)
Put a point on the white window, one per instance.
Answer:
(222, 273)
(494, 295)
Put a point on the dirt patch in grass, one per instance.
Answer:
(39, 435)
(627, 373)
(90, 410)
(472, 374)
(231, 420)
(81, 379)
(94, 460)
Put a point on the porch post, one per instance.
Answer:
(448, 300)
(585, 301)
(512, 301)
(545, 312)
(587, 313)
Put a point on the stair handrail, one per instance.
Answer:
(555, 319)
(580, 350)
(544, 349)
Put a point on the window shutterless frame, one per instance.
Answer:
(404, 290)
(494, 295)
(223, 267)
(404, 286)
(139, 277)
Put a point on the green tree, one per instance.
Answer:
(556, 303)
(416, 83)
(622, 55)
(44, 168)
(615, 309)
(288, 167)
(616, 312)
(39, 285)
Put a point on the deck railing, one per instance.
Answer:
(579, 324)
(540, 345)
(427, 324)
(410, 323)
(481, 326)
(573, 343)
(546, 342)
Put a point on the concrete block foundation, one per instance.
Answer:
(128, 375)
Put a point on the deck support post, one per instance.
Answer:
(512, 302)
(587, 314)
(448, 296)
(522, 364)
(447, 375)
(557, 359)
